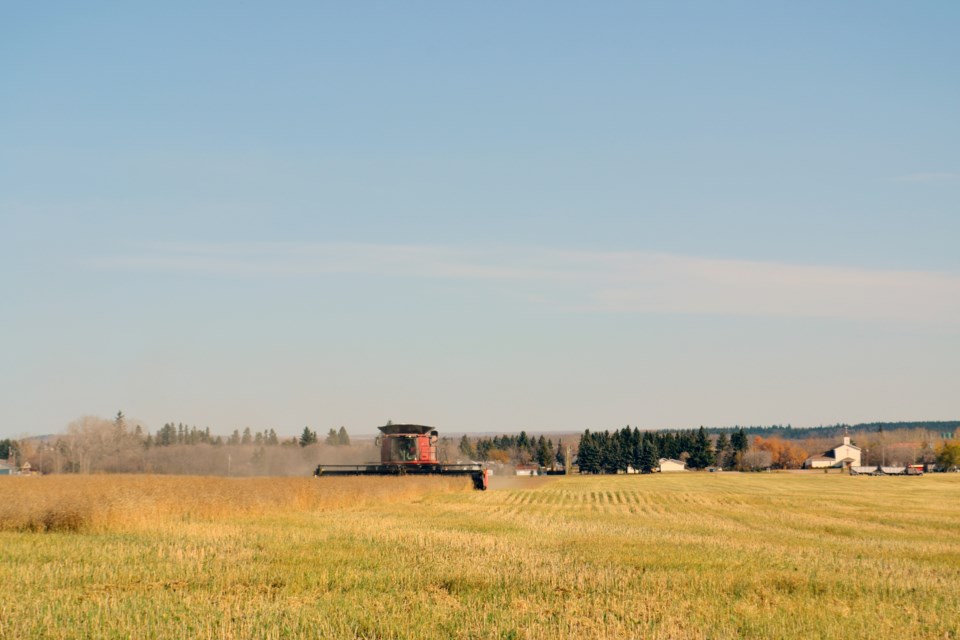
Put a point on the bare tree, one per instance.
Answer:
(94, 444)
(755, 460)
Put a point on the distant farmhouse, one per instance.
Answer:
(8, 468)
(842, 456)
(669, 464)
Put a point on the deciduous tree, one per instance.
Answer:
(948, 455)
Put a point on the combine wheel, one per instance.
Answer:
(480, 480)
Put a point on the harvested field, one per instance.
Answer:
(665, 556)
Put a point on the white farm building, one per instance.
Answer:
(842, 456)
(669, 464)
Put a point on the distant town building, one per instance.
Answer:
(7, 469)
(843, 456)
(669, 464)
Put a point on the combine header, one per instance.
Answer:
(407, 449)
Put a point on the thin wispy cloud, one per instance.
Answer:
(594, 281)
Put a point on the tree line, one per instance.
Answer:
(944, 428)
(514, 449)
(630, 449)
(171, 434)
(92, 444)
(95, 444)
(334, 438)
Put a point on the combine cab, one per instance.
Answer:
(408, 449)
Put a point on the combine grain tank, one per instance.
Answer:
(408, 449)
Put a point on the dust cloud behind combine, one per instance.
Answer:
(248, 461)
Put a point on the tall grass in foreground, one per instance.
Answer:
(102, 502)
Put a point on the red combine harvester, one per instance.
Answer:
(408, 449)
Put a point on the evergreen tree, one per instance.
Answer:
(333, 438)
(630, 448)
(544, 453)
(662, 441)
(623, 452)
(247, 436)
(738, 441)
(308, 437)
(625, 444)
(588, 455)
(636, 447)
(701, 455)
(649, 458)
(684, 443)
(523, 442)
(610, 453)
(723, 450)
(483, 448)
(649, 453)
(342, 438)
(673, 444)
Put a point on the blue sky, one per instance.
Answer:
(483, 216)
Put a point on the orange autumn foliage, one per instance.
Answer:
(785, 453)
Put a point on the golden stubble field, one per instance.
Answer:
(664, 556)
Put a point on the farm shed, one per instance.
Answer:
(669, 464)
